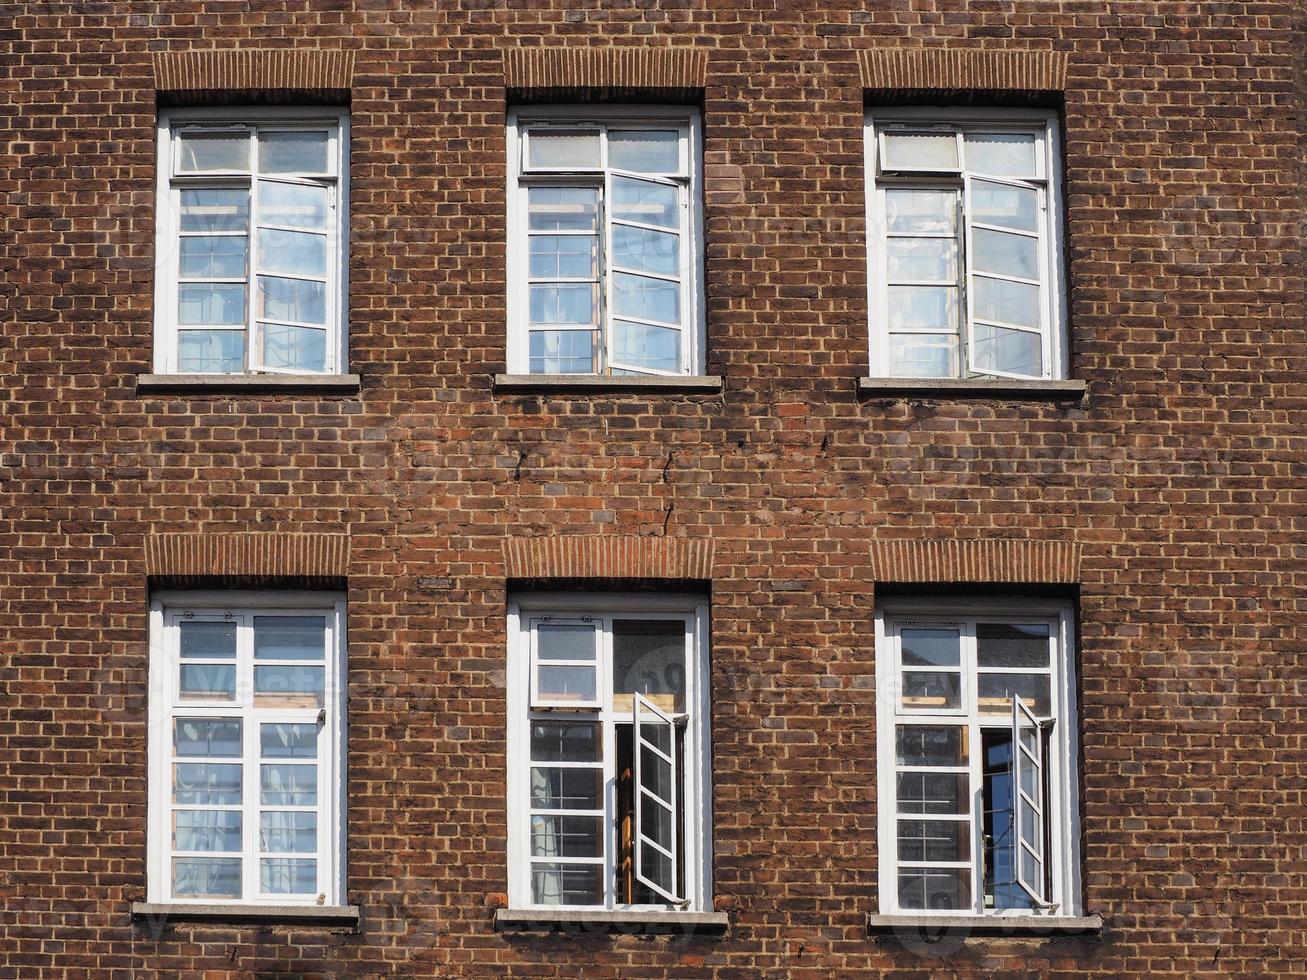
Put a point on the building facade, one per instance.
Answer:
(719, 490)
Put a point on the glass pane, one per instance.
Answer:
(921, 212)
(225, 151)
(1030, 870)
(931, 690)
(923, 307)
(935, 888)
(1000, 154)
(922, 259)
(294, 348)
(656, 733)
(206, 783)
(562, 642)
(303, 684)
(564, 741)
(656, 822)
(288, 876)
(564, 884)
(293, 153)
(645, 202)
(288, 832)
(658, 869)
(565, 789)
(290, 741)
(295, 253)
(649, 658)
(931, 745)
(206, 681)
(195, 877)
(655, 772)
(1006, 302)
(934, 840)
(933, 792)
(995, 692)
(207, 737)
(566, 683)
(642, 345)
(645, 250)
(645, 298)
(220, 257)
(562, 352)
(208, 641)
(290, 637)
(1005, 254)
(1013, 351)
(293, 205)
(1004, 205)
(1012, 644)
(288, 785)
(210, 351)
(1029, 781)
(564, 303)
(562, 150)
(923, 151)
(562, 208)
(923, 355)
(211, 303)
(645, 151)
(206, 830)
(564, 257)
(292, 299)
(553, 836)
(226, 209)
(930, 647)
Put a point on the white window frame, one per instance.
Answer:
(696, 782)
(167, 609)
(1041, 123)
(520, 177)
(167, 226)
(1061, 760)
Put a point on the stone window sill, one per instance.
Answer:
(603, 384)
(602, 922)
(1016, 926)
(161, 914)
(1007, 389)
(248, 384)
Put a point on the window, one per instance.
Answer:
(250, 242)
(965, 244)
(608, 753)
(246, 749)
(605, 229)
(977, 760)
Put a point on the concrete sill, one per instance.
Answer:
(606, 384)
(600, 922)
(248, 384)
(1008, 389)
(1015, 926)
(160, 914)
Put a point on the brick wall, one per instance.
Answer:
(1179, 482)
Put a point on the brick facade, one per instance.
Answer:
(1171, 503)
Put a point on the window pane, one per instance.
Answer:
(221, 257)
(655, 771)
(1000, 154)
(649, 658)
(921, 212)
(642, 345)
(562, 208)
(923, 259)
(923, 307)
(292, 205)
(656, 822)
(645, 202)
(564, 741)
(206, 830)
(1013, 351)
(293, 741)
(935, 888)
(208, 641)
(562, 352)
(293, 153)
(564, 257)
(206, 783)
(211, 303)
(646, 299)
(930, 647)
(1004, 205)
(565, 683)
(658, 868)
(207, 737)
(995, 692)
(564, 303)
(221, 151)
(924, 151)
(934, 840)
(1005, 254)
(563, 884)
(288, 832)
(290, 637)
(288, 876)
(225, 209)
(194, 877)
(1012, 645)
(562, 642)
(933, 792)
(923, 355)
(210, 351)
(645, 250)
(557, 836)
(931, 745)
(1006, 302)
(565, 789)
(292, 299)
(293, 348)
(931, 690)
(295, 253)
(207, 681)
(562, 150)
(301, 684)
(288, 785)
(645, 151)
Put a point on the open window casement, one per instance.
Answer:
(1028, 801)
(656, 815)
